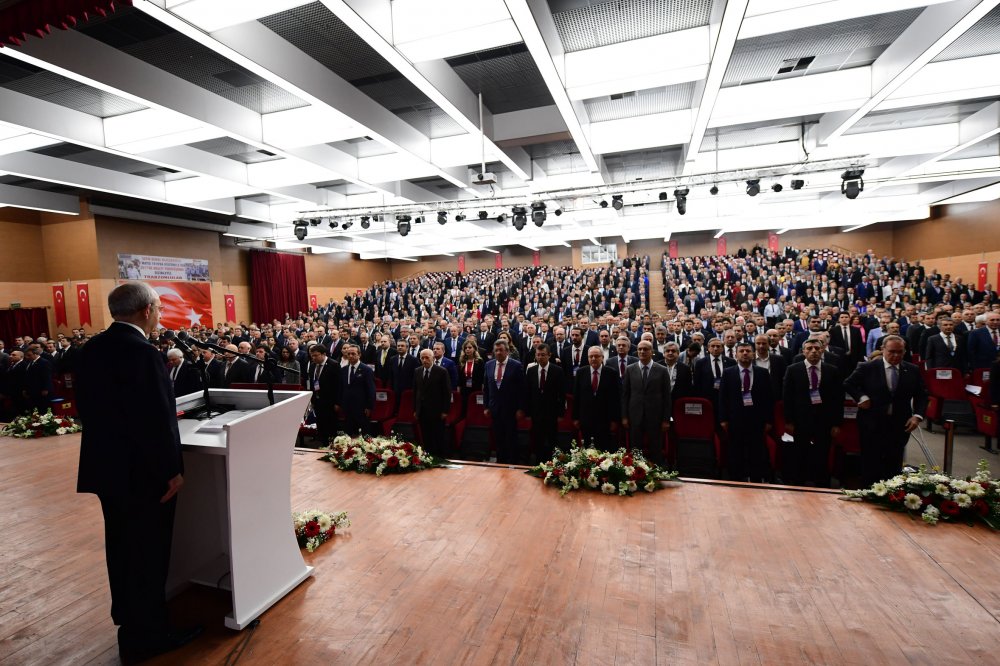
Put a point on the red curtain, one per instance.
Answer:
(36, 18)
(277, 285)
(24, 321)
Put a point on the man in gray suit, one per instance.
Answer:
(646, 403)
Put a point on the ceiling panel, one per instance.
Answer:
(981, 39)
(507, 77)
(225, 146)
(841, 45)
(587, 24)
(145, 38)
(643, 164)
(988, 148)
(640, 103)
(920, 116)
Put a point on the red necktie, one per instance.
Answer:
(577, 361)
(541, 381)
(996, 339)
(499, 372)
(593, 382)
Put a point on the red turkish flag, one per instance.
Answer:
(461, 263)
(59, 299)
(83, 302)
(184, 304)
(230, 308)
(984, 267)
(720, 246)
(498, 260)
(536, 258)
(772, 241)
(313, 302)
(674, 252)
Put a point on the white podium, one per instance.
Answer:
(233, 528)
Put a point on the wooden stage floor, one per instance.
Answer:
(483, 565)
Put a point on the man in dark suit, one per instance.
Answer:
(596, 401)
(646, 403)
(544, 401)
(130, 457)
(503, 383)
(356, 395)
(453, 343)
(37, 380)
(680, 374)
(708, 371)
(946, 349)
(366, 350)
(620, 361)
(13, 382)
(847, 338)
(431, 402)
(813, 401)
(384, 357)
(401, 369)
(445, 362)
(984, 343)
(234, 369)
(773, 363)
(746, 412)
(322, 377)
(184, 377)
(891, 399)
(212, 366)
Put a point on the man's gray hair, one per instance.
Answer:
(174, 352)
(130, 298)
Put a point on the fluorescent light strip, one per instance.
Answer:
(486, 249)
(781, 231)
(666, 237)
(857, 226)
(719, 235)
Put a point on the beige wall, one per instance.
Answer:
(954, 240)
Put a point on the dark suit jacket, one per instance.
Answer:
(982, 352)
(682, 385)
(938, 355)
(806, 417)
(703, 377)
(359, 395)
(868, 379)
(384, 370)
(613, 363)
(477, 374)
(368, 353)
(455, 347)
(646, 404)
(130, 446)
(214, 372)
(503, 400)
(449, 365)
(857, 353)
(401, 378)
(239, 373)
(188, 379)
(777, 372)
(602, 408)
(731, 406)
(325, 398)
(431, 396)
(548, 403)
(38, 378)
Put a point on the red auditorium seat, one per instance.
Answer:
(696, 444)
(403, 423)
(846, 443)
(385, 403)
(473, 434)
(948, 397)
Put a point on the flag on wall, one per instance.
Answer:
(498, 260)
(720, 246)
(536, 258)
(83, 303)
(184, 304)
(230, 308)
(313, 302)
(461, 263)
(59, 300)
(674, 252)
(984, 268)
(772, 241)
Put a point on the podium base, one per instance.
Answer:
(250, 616)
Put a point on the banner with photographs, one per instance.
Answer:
(174, 269)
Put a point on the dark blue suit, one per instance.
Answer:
(452, 369)
(981, 350)
(747, 453)
(452, 350)
(503, 401)
(355, 397)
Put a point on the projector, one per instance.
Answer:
(485, 178)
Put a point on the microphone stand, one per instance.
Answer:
(203, 370)
(269, 364)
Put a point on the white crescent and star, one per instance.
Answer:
(83, 294)
(167, 291)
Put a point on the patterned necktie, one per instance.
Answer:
(577, 361)
(499, 372)
(893, 378)
(948, 342)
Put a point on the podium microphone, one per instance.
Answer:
(180, 344)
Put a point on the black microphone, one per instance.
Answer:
(180, 344)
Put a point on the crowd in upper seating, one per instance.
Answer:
(773, 302)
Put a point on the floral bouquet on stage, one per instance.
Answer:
(622, 472)
(35, 425)
(315, 527)
(935, 496)
(378, 455)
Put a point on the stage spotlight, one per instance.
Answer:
(714, 190)
(753, 187)
(604, 203)
(617, 202)
(798, 184)
(459, 218)
(538, 214)
(347, 225)
(520, 217)
(777, 187)
(403, 224)
(852, 184)
(301, 231)
(315, 221)
(483, 215)
(334, 224)
(419, 220)
(501, 218)
(442, 217)
(558, 212)
(682, 201)
(366, 222)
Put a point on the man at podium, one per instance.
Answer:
(130, 457)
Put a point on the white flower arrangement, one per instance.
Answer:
(618, 473)
(314, 527)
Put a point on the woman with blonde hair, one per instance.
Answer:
(471, 368)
